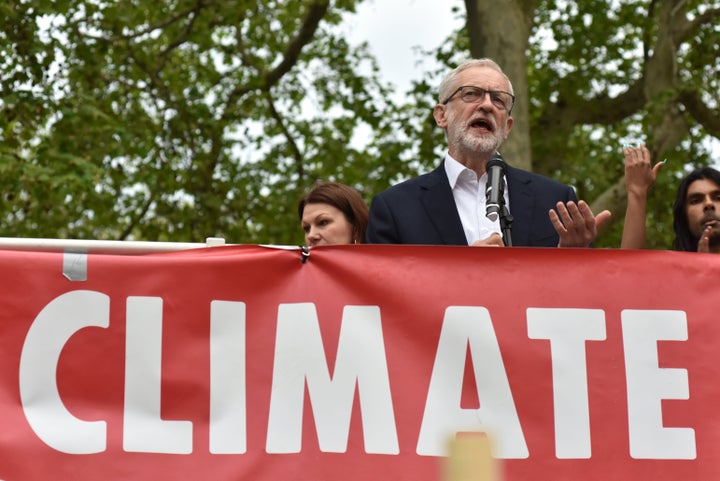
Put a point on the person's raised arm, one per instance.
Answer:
(639, 176)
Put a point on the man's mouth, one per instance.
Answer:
(482, 124)
(711, 221)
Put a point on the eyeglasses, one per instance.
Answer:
(472, 95)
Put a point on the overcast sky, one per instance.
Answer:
(394, 27)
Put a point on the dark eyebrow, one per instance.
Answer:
(712, 193)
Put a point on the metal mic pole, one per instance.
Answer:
(506, 223)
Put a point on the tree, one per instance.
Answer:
(194, 118)
(182, 120)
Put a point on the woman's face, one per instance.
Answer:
(324, 224)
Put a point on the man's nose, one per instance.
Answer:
(485, 102)
(708, 203)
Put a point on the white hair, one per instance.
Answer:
(449, 79)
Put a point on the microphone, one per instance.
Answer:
(494, 190)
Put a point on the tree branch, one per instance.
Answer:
(137, 218)
(560, 118)
(299, 160)
(608, 110)
(614, 199)
(150, 28)
(314, 15)
(690, 27)
(708, 117)
(193, 14)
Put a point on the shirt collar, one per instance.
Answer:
(454, 170)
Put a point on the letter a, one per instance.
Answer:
(443, 415)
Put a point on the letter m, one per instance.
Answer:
(360, 361)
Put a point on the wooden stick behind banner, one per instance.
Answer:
(470, 459)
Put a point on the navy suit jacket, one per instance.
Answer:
(422, 210)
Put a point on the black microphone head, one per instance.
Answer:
(495, 169)
(496, 161)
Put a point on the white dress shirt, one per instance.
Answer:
(470, 200)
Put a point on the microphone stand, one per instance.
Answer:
(505, 217)
(505, 223)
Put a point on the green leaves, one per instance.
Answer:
(178, 121)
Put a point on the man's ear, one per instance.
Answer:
(440, 114)
(509, 127)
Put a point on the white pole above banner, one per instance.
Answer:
(102, 246)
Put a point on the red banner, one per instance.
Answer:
(361, 363)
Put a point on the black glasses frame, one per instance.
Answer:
(482, 92)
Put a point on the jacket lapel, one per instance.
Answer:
(522, 200)
(437, 199)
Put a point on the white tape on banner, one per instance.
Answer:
(75, 266)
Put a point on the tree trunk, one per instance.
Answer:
(500, 30)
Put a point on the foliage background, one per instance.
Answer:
(186, 119)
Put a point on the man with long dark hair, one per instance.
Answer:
(696, 212)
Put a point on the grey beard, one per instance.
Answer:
(486, 144)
